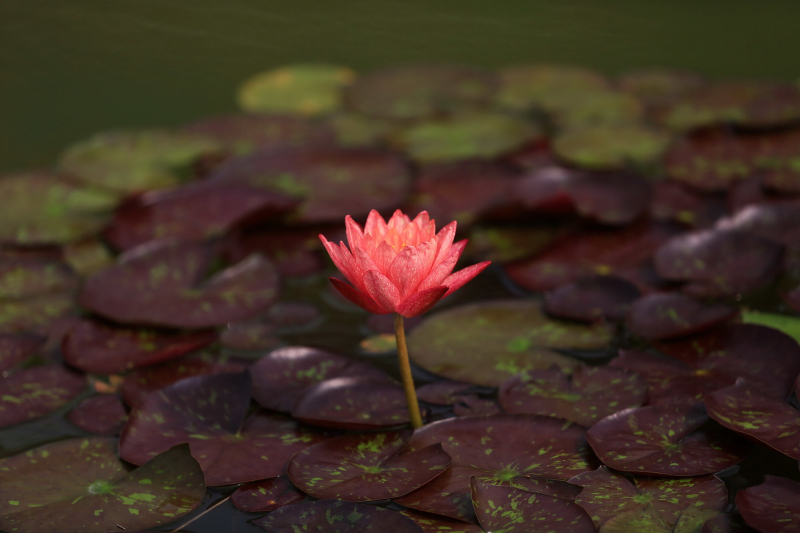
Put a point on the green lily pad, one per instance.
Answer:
(36, 391)
(42, 208)
(355, 129)
(610, 146)
(486, 343)
(304, 89)
(476, 136)
(691, 521)
(659, 86)
(507, 243)
(134, 161)
(594, 109)
(607, 494)
(360, 468)
(773, 506)
(528, 87)
(81, 484)
(789, 325)
(336, 516)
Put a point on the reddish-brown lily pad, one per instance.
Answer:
(510, 509)
(193, 213)
(268, 495)
(744, 409)
(719, 262)
(674, 201)
(23, 278)
(367, 467)
(162, 284)
(773, 506)
(208, 412)
(666, 440)
(102, 349)
(443, 392)
(352, 403)
(592, 299)
(81, 485)
(607, 494)
(661, 316)
(502, 244)
(283, 374)
(333, 182)
(473, 405)
(586, 396)
(295, 252)
(779, 222)
(36, 391)
(431, 523)
(103, 414)
(17, 348)
(485, 343)
(336, 516)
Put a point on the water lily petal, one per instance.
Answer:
(375, 226)
(344, 262)
(383, 256)
(440, 272)
(420, 302)
(358, 298)
(457, 280)
(381, 289)
(399, 221)
(406, 271)
(445, 238)
(355, 235)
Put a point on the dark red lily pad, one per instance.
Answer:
(36, 391)
(194, 213)
(103, 414)
(666, 440)
(81, 485)
(474, 405)
(336, 516)
(661, 316)
(367, 467)
(592, 299)
(208, 412)
(17, 348)
(250, 335)
(101, 349)
(161, 284)
(282, 375)
(625, 253)
(744, 409)
(485, 343)
(295, 252)
(421, 91)
(610, 146)
(443, 392)
(674, 201)
(268, 495)
(719, 262)
(586, 396)
(352, 403)
(773, 506)
(607, 494)
(514, 510)
(332, 182)
(440, 524)
(779, 222)
(693, 519)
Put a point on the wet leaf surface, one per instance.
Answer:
(360, 468)
(17, 348)
(772, 506)
(486, 343)
(336, 516)
(586, 396)
(37, 391)
(592, 299)
(670, 315)
(83, 483)
(103, 414)
(666, 440)
(268, 495)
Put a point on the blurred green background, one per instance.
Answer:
(71, 68)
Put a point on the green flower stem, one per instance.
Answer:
(405, 372)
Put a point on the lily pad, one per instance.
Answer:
(440, 524)
(352, 403)
(624, 253)
(665, 440)
(789, 325)
(773, 506)
(283, 374)
(691, 521)
(103, 414)
(669, 315)
(333, 182)
(36, 391)
(355, 129)
(589, 109)
(82, 482)
(793, 298)
(296, 252)
(607, 494)
(134, 161)
(719, 262)
(659, 86)
(42, 208)
(508, 509)
(17, 348)
(776, 222)
(592, 299)
(268, 495)
(610, 146)
(586, 396)
(473, 405)
(336, 516)
(443, 392)
(367, 467)
(481, 136)
(528, 87)
(675, 201)
(304, 89)
(87, 257)
(416, 92)
(508, 243)
(743, 409)
(160, 284)
(486, 343)
(101, 349)
(208, 412)
(194, 212)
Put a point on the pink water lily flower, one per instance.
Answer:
(402, 266)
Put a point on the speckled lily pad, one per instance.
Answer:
(36, 391)
(268, 495)
(592, 299)
(610, 146)
(665, 440)
(775, 222)
(586, 396)
(528, 87)
(305, 89)
(82, 482)
(508, 243)
(675, 201)
(296, 252)
(657, 87)
(367, 467)
(486, 343)
(669, 315)
(336, 516)
(103, 414)
(773, 506)
(16, 348)
(440, 524)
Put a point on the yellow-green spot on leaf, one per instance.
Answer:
(13, 502)
(133, 511)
